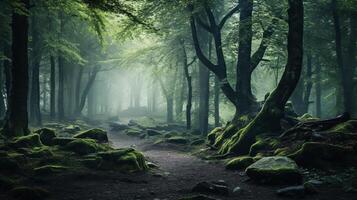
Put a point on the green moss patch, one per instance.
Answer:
(177, 140)
(46, 135)
(83, 146)
(238, 163)
(28, 141)
(49, 169)
(345, 127)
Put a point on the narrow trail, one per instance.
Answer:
(177, 174)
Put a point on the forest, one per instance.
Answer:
(178, 99)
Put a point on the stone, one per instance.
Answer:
(198, 197)
(238, 163)
(115, 126)
(197, 142)
(276, 169)
(27, 141)
(95, 134)
(177, 140)
(211, 188)
(62, 141)
(82, 146)
(46, 136)
(152, 132)
(125, 159)
(72, 129)
(49, 169)
(237, 190)
(292, 191)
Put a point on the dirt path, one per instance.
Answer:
(177, 174)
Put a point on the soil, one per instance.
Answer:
(177, 174)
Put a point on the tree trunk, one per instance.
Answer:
(308, 84)
(243, 85)
(216, 103)
(35, 110)
(86, 90)
(52, 87)
(60, 96)
(318, 88)
(2, 97)
(268, 119)
(16, 122)
(351, 61)
(170, 109)
(78, 86)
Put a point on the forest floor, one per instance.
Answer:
(179, 171)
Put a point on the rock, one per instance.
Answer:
(152, 132)
(29, 193)
(115, 126)
(311, 186)
(152, 165)
(8, 164)
(237, 190)
(345, 127)
(239, 163)
(177, 140)
(82, 146)
(95, 134)
(72, 129)
(46, 136)
(211, 188)
(92, 162)
(321, 155)
(39, 152)
(262, 145)
(198, 197)
(27, 141)
(49, 169)
(277, 170)
(198, 142)
(293, 191)
(62, 141)
(133, 133)
(125, 159)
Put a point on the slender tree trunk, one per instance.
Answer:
(352, 64)
(243, 85)
(7, 72)
(268, 119)
(188, 77)
(78, 86)
(216, 103)
(60, 96)
(170, 109)
(35, 110)
(16, 122)
(52, 87)
(2, 98)
(308, 84)
(318, 88)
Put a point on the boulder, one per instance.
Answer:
(29, 193)
(49, 169)
(276, 170)
(292, 191)
(322, 155)
(62, 141)
(211, 188)
(177, 140)
(72, 129)
(239, 163)
(95, 134)
(46, 136)
(27, 141)
(197, 142)
(133, 133)
(125, 159)
(115, 126)
(82, 146)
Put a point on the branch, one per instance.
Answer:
(203, 24)
(198, 49)
(259, 54)
(228, 15)
(193, 61)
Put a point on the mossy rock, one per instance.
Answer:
(322, 155)
(92, 162)
(197, 142)
(95, 134)
(285, 151)
(276, 170)
(345, 127)
(46, 136)
(72, 129)
(27, 141)
(39, 152)
(62, 141)
(212, 136)
(177, 140)
(82, 146)
(307, 117)
(124, 159)
(49, 169)
(238, 163)
(263, 144)
(6, 183)
(29, 193)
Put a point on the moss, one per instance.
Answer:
(322, 155)
(133, 133)
(262, 144)
(177, 140)
(152, 132)
(275, 169)
(282, 151)
(29, 193)
(143, 123)
(345, 127)
(39, 152)
(82, 146)
(46, 135)
(307, 117)
(124, 159)
(96, 134)
(72, 129)
(214, 134)
(28, 141)
(49, 169)
(92, 162)
(241, 162)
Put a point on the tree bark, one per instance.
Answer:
(308, 84)
(268, 119)
(318, 88)
(35, 110)
(60, 96)
(78, 86)
(52, 87)
(16, 122)
(216, 103)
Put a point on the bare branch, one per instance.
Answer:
(228, 15)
